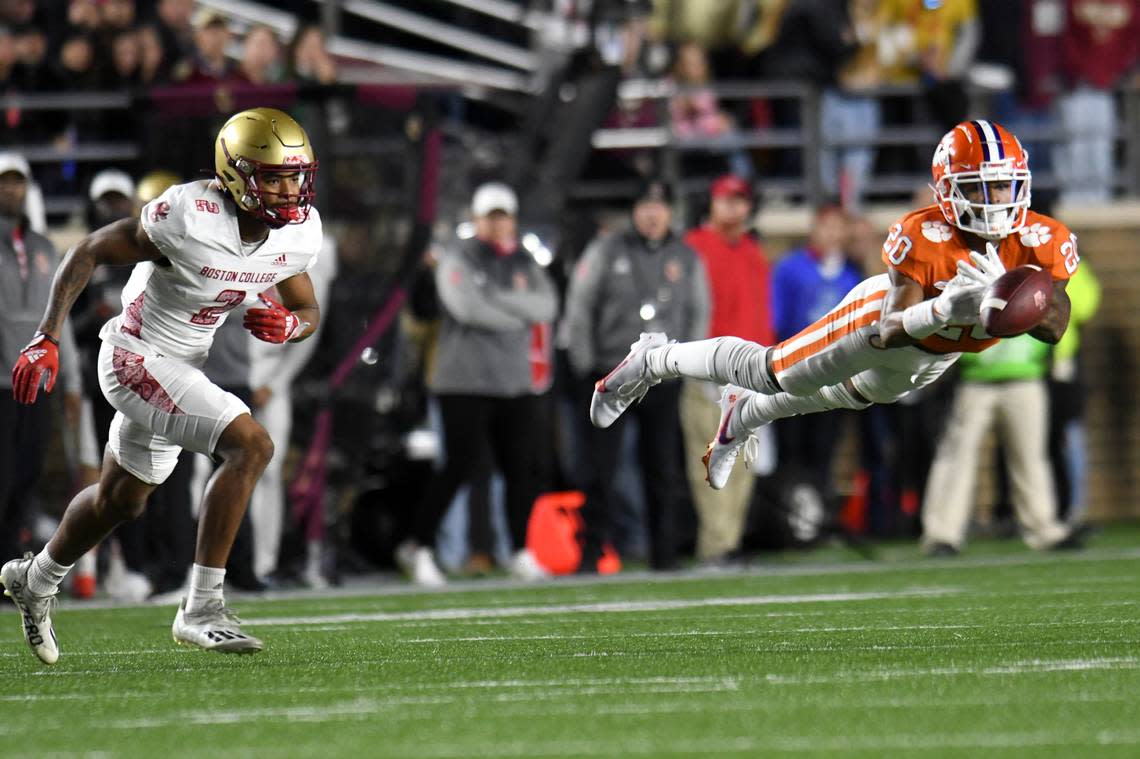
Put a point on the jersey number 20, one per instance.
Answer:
(897, 245)
(229, 299)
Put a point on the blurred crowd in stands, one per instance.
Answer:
(419, 397)
(1049, 68)
(121, 44)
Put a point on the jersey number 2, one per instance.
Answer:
(230, 299)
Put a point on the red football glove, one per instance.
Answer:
(40, 357)
(275, 324)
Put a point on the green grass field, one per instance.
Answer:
(1001, 652)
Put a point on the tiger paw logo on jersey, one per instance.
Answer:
(937, 231)
(1035, 235)
(160, 211)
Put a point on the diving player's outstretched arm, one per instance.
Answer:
(904, 293)
(121, 243)
(907, 318)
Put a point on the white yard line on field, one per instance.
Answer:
(573, 682)
(544, 698)
(610, 607)
(720, 745)
(565, 686)
(1032, 666)
(367, 707)
(760, 746)
(693, 633)
(379, 585)
(361, 707)
(844, 703)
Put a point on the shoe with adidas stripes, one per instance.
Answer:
(214, 628)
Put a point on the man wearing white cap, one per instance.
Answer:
(112, 197)
(27, 263)
(493, 292)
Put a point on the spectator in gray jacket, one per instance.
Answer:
(644, 279)
(27, 265)
(493, 293)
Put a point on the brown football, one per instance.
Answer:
(1015, 303)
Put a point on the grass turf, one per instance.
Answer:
(998, 653)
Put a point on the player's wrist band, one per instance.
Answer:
(297, 331)
(922, 320)
(46, 336)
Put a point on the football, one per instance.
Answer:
(1015, 303)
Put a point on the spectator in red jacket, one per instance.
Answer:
(739, 286)
(1099, 47)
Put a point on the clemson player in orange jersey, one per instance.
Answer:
(894, 332)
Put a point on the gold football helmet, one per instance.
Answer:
(154, 184)
(262, 141)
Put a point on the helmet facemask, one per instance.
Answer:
(252, 199)
(984, 217)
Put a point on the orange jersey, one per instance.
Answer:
(927, 249)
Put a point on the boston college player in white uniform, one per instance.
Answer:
(201, 250)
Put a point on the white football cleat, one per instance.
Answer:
(525, 567)
(627, 383)
(730, 438)
(214, 628)
(35, 611)
(418, 563)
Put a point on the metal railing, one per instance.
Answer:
(173, 128)
(808, 140)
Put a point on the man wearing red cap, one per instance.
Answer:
(739, 286)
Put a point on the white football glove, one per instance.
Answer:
(960, 302)
(986, 269)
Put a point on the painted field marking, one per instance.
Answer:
(754, 746)
(707, 683)
(365, 709)
(613, 607)
(716, 633)
(1031, 666)
(383, 586)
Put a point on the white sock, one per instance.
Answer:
(205, 586)
(757, 410)
(45, 574)
(724, 360)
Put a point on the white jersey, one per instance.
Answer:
(173, 309)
